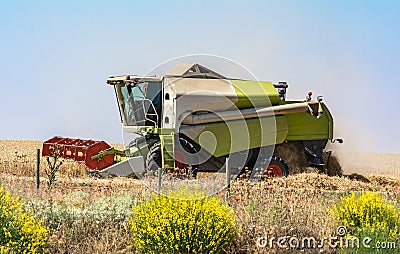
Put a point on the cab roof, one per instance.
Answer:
(179, 70)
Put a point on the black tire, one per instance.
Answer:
(189, 148)
(153, 160)
(252, 155)
(277, 168)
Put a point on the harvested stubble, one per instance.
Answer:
(295, 205)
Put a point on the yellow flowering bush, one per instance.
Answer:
(368, 215)
(20, 231)
(368, 210)
(182, 222)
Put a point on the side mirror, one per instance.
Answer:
(339, 140)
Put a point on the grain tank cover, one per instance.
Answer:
(254, 93)
(201, 89)
(192, 71)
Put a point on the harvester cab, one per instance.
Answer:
(139, 100)
(194, 118)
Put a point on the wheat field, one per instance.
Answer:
(294, 205)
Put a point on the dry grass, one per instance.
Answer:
(17, 174)
(296, 205)
(18, 157)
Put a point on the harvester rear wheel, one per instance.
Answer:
(276, 168)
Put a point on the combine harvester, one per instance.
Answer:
(194, 118)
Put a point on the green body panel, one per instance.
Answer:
(289, 127)
(303, 126)
(262, 132)
(255, 93)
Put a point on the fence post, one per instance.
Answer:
(38, 168)
(228, 173)
(159, 181)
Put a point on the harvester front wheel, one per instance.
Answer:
(153, 160)
(276, 168)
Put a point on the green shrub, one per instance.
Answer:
(182, 222)
(81, 224)
(76, 211)
(20, 231)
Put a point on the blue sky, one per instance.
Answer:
(56, 55)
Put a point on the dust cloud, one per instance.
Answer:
(359, 154)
